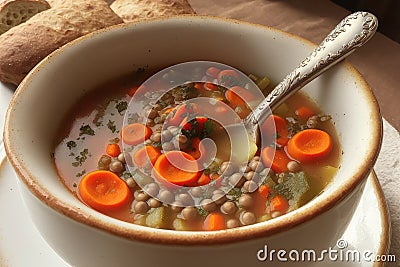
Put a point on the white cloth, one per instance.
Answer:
(387, 169)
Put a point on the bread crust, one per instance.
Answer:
(15, 12)
(25, 45)
(132, 10)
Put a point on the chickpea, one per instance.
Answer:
(154, 203)
(208, 205)
(246, 201)
(168, 146)
(142, 196)
(131, 182)
(236, 180)
(166, 135)
(249, 186)
(247, 218)
(293, 166)
(185, 198)
(249, 175)
(228, 207)
(219, 199)
(121, 157)
(156, 137)
(141, 207)
(165, 196)
(312, 122)
(227, 168)
(150, 122)
(117, 166)
(256, 165)
(177, 206)
(152, 189)
(196, 191)
(232, 223)
(189, 213)
(151, 114)
(104, 162)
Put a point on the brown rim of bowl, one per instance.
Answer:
(160, 236)
(384, 213)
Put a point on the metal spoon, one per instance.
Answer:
(352, 32)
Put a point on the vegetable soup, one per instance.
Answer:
(172, 165)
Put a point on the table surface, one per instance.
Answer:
(378, 61)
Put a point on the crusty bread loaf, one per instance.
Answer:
(58, 3)
(131, 10)
(15, 12)
(25, 45)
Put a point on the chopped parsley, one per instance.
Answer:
(203, 213)
(111, 126)
(79, 160)
(86, 129)
(71, 144)
(234, 193)
(121, 106)
(80, 174)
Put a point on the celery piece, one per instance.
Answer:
(253, 77)
(157, 218)
(180, 225)
(263, 83)
(327, 171)
(141, 220)
(295, 189)
(264, 218)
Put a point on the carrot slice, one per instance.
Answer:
(214, 222)
(146, 155)
(104, 191)
(204, 179)
(280, 130)
(213, 72)
(279, 203)
(263, 190)
(135, 133)
(238, 96)
(210, 87)
(182, 113)
(228, 78)
(277, 160)
(113, 150)
(187, 175)
(309, 145)
(304, 113)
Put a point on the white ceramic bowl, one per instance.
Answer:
(85, 237)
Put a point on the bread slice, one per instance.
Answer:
(15, 12)
(25, 45)
(131, 10)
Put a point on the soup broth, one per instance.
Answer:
(95, 146)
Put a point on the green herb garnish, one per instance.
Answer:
(71, 144)
(111, 126)
(121, 106)
(86, 129)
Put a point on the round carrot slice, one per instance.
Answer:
(186, 175)
(277, 160)
(104, 191)
(309, 145)
(146, 155)
(135, 133)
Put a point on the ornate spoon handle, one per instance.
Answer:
(352, 32)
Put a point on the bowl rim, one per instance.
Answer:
(162, 236)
